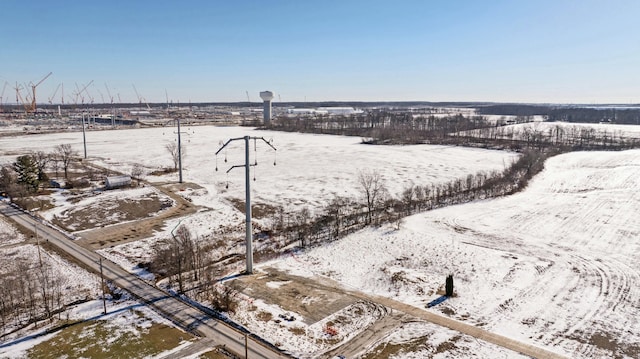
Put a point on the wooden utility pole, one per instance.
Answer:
(35, 224)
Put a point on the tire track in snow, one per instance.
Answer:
(612, 279)
(609, 277)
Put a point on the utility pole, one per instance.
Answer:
(104, 300)
(35, 225)
(247, 205)
(179, 147)
(84, 138)
(179, 154)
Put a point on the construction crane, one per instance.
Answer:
(101, 95)
(76, 94)
(17, 88)
(54, 94)
(140, 98)
(113, 110)
(137, 94)
(108, 93)
(86, 90)
(33, 90)
(19, 99)
(2, 96)
(79, 92)
(27, 97)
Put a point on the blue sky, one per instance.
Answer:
(508, 51)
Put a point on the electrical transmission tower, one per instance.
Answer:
(247, 207)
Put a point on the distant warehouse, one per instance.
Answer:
(117, 182)
(324, 111)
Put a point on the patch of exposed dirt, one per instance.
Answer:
(178, 187)
(606, 341)
(163, 171)
(111, 211)
(305, 296)
(258, 210)
(129, 232)
(386, 350)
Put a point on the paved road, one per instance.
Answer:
(172, 308)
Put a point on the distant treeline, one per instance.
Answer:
(566, 113)
(382, 127)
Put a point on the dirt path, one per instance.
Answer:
(332, 296)
(362, 342)
(497, 339)
(133, 231)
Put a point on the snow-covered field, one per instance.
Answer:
(555, 265)
(310, 169)
(8, 234)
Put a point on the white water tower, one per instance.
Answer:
(266, 96)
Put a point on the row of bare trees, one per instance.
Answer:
(589, 114)
(30, 294)
(566, 138)
(376, 205)
(383, 126)
(187, 263)
(179, 258)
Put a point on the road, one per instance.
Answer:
(179, 312)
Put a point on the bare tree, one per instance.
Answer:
(42, 159)
(302, 219)
(8, 181)
(176, 256)
(65, 155)
(420, 196)
(372, 188)
(335, 211)
(55, 163)
(137, 171)
(408, 198)
(172, 148)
